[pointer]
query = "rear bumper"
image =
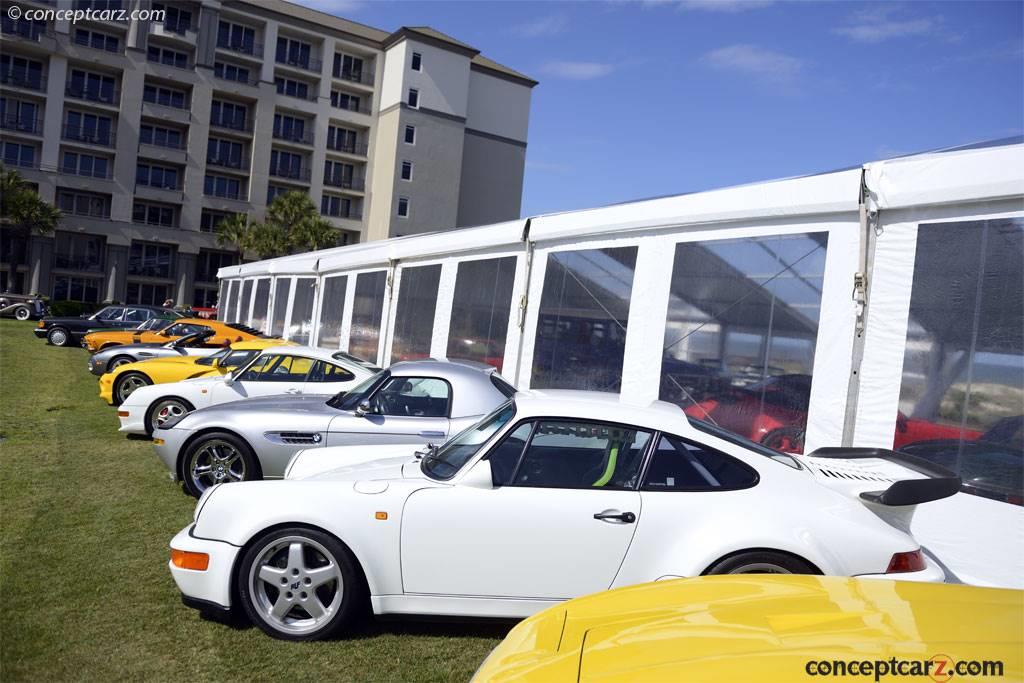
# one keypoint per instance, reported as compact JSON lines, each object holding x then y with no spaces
{"x":209,"y":590}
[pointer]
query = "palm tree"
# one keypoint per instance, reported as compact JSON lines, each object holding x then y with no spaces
{"x":236,"y":230}
{"x":314,"y":233}
{"x":269,"y":240}
{"x":22,"y":213}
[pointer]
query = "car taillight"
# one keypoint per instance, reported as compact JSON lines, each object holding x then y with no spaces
{"x":912,"y":561}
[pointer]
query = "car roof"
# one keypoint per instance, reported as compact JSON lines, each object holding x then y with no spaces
{"x":261,"y":344}
{"x":602,"y":406}
{"x":307,"y":351}
{"x":442,"y":368}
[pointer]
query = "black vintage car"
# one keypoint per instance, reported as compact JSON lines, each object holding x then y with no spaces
{"x":69,"y":331}
{"x":22,"y":306}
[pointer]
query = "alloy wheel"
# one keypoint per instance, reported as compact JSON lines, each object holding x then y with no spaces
{"x":167,"y":409}
{"x":760,"y":568}
{"x":296,"y":585}
{"x":129,"y":384}
{"x":215,"y":462}
{"x":58,"y":337}
{"x":118,"y":362}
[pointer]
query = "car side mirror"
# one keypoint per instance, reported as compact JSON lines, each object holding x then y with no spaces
{"x":363,"y":409}
{"x":479,"y":476}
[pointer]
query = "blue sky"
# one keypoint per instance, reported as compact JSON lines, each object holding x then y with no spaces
{"x":639,"y":99}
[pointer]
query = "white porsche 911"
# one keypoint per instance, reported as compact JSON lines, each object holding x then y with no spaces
{"x":277,"y":370}
{"x":553,"y":495}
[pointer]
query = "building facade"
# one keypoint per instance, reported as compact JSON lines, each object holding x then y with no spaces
{"x":148,"y":131}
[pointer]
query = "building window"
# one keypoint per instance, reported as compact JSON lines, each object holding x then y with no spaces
{"x":231,"y":72}
{"x":292,"y":88}
{"x":204,"y":297}
{"x":176,"y":20}
{"x":209,"y":219}
{"x":21,"y":72}
{"x":417,"y":61}
{"x":403,"y":207}
{"x":167,"y":97}
{"x":236,"y":37}
{"x":92,"y":86}
{"x":151,"y":260}
{"x":414,"y":98}
{"x":84,"y":289}
{"x":75,"y":251}
{"x":91,"y":128}
{"x":339,"y":207}
{"x":97,"y":40}
{"x":161,"y":55}
{"x":410,"y":135}
{"x":406,"y":170}
{"x":341,"y":139}
{"x":85,"y":165}
{"x":343,"y":100}
{"x":290,"y":128}
{"x":295,"y":52}
{"x":226,"y":153}
{"x":286,"y":165}
{"x":348,"y":67}
{"x":338,"y":174}
{"x":147,"y":294}
{"x":275,"y":191}
{"x":222,"y":186}
{"x":154,"y":214}
{"x":80,"y":203}
{"x":15,"y":154}
{"x":161,"y":137}
{"x":18,"y":115}
{"x":228,"y":115}
{"x":209,"y":262}
{"x":163,"y":177}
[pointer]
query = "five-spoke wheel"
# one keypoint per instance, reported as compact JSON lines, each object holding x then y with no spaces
{"x":299,"y":584}
{"x":127,"y":383}
{"x":166,"y":409}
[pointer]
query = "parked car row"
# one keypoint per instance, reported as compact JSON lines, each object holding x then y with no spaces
{"x":434,"y":487}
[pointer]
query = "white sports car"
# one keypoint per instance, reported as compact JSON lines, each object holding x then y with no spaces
{"x":553,"y":495}
{"x":277,"y":370}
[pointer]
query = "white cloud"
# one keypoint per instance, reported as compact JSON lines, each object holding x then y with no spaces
{"x":577,"y":71}
{"x":338,"y":8}
{"x":766,"y":66}
{"x":882,"y":22}
{"x":542,"y":27}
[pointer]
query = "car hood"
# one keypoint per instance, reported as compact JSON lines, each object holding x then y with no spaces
{"x":286,"y":403}
{"x":725,"y":627}
{"x":128,"y":347}
{"x":84,"y":322}
{"x":400,"y":467}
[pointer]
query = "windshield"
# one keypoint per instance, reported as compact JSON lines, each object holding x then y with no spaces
{"x":736,"y":439}
{"x":350,"y":400}
{"x":445,"y":461}
{"x":208,"y":360}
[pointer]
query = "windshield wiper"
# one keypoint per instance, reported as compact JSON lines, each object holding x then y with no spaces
{"x":431,"y":452}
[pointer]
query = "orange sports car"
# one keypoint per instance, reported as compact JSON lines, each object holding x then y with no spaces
{"x":223,"y":333}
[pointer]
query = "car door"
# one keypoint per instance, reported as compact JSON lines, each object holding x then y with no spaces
{"x":402,"y":410}
{"x":268,"y":375}
{"x":328,"y":378}
{"x":557,"y":524}
{"x":110,"y":317}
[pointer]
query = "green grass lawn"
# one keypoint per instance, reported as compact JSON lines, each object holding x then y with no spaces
{"x":85,"y":518}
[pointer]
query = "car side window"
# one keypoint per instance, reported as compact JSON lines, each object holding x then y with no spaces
{"x":413,"y":397}
{"x":134,"y":315}
{"x":680,"y":465}
{"x":505,"y":455}
{"x":286,"y":369}
{"x":110,"y":313}
{"x":237,"y":359}
{"x":581,"y":455}
{"x":329,"y":372}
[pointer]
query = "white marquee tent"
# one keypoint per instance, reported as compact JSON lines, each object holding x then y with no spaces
{"x":877,"y":306}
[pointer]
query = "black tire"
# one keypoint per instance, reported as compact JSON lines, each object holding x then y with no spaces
{"x":762,"y":562}
{"x":161,"y":404}
{"x":59,"y":336}
{"x":118,"y":361}
{"x":123,"y":380}
{"x":256,"y":595}
{"x":22,"y":313}
{"x":249,"y":469}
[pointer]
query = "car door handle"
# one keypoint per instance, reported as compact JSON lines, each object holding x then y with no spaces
{"x":293,"y":391}
{"x":615,"y":516}
{"x":432,"y":435}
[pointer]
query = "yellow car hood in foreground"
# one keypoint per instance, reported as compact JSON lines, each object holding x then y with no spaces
{"x":764,"y":628}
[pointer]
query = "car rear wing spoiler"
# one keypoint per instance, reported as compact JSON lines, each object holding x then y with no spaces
{"x":938,"y":482}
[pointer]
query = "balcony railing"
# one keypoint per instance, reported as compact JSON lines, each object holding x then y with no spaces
{"x":86,"y":41}
{"x":164,"y":144}
{"x":92,"y":173}
{"x":252,"y":80}
{"x":158,"y":59}
{"x":290,"y":173}
{"x":179,"y":26}
{"x":241,"y":196}
{"x":310,"y":96}
{"x":91,"y":135}
{"x":365,"y":76}
{"x":19,"y":78}
{"x":11,"y":121}
{"x":244,"y":125}
{"x":20,"y":163}
{"x":91,"y":211}
{"x":307,"y":63}
{"x":102,"y":95}
{"x":236,"y":164}
{"x":360,"y":107}
{"x":357,"y":148}
{"x":23,"y":28}
{"x":352,"y":214}
{"x":304,"y":136}
{"x":243,"y":48}
{"x":358,"y":184}
{"x":176,"y":186}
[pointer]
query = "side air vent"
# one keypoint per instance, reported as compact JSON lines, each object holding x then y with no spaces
{"x":295,"y":438}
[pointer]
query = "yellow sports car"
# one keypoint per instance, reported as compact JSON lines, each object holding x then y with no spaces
{"x":769,"y":628}
{"x":119,"y":383}
{"x":223,"y":333}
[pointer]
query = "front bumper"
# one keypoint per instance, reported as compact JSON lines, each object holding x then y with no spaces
{"x":209,"y":589}
{"x":98,"y":368}
{"x":133,"y":418}
{"x":932,"y":573}
{"x":107,"y":388}
{"x":40,"y":332}
{"x":168,"y":451}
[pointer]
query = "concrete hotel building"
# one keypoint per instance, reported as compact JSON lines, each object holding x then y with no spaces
{"x":146,"y":134}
